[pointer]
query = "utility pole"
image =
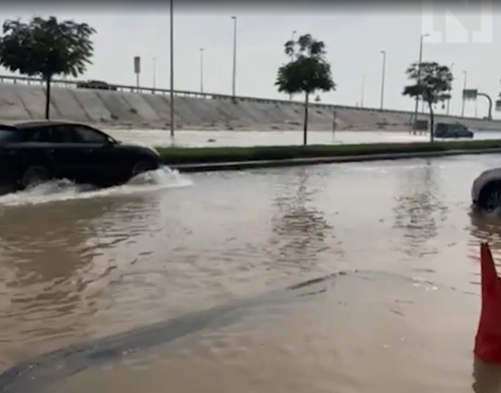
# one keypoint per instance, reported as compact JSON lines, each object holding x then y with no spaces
{"x":154,"y":73}
{"x":234,"y":84}
{"x":293,"y":53}
{"x":449,"y":100}
{"x":201,"y":70}
{"x":172,"y":69}
{"x":420,"y":60}
{"x":465,"y":81}
{"x":362,"y":93}
{"x":383,"y":78}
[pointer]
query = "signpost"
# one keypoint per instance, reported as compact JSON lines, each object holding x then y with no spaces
{"x":498,"y":103}
{"x":470,"y":94}
{"x":137,"y":70}
{"x":473,"y":94}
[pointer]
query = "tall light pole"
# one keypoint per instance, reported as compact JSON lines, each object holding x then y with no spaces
{"x":201,"y":70}
{"x":234,"y":84}
{"x":293,"y":52}
{"x":420,"y":60}
{"x":154,"y":73}
{"x":383,"y":74}
{"x":449,"y":100}
{"x":362,"y":92}
{"x":172,"y":68}
{"x":465,"y":81}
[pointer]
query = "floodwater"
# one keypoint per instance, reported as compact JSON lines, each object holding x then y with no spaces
{"x":76,"y":266}
{"x":189,"y":138}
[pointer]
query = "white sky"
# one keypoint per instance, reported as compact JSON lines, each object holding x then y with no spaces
{"x":354,"y":39}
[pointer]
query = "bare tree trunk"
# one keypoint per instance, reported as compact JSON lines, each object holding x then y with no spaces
{"x":47,"y":98}
{"x":432,"y":123}
{"x":305,"y":129}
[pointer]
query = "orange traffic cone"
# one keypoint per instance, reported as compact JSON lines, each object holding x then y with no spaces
{"x":488,"y":339}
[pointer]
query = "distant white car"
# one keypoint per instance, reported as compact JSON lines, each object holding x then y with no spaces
{"x":486,"y":190}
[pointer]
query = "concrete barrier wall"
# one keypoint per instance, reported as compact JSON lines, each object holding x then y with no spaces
{"x":111,"y":108}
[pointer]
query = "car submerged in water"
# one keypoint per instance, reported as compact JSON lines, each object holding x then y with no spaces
{"x":36,"y":152}
{"x":452,"y":131}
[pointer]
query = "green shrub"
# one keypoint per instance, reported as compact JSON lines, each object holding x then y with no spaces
{"x":194,"y":155}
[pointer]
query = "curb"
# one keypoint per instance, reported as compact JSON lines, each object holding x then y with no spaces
{"x":235,"y":166}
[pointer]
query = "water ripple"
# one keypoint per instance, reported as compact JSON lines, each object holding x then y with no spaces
{"x":75,"y":268}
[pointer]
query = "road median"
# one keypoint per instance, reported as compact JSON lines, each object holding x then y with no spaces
{"x":199,"y":159}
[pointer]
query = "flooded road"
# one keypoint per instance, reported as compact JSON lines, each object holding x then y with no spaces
{"x":76,"y":266}
{"x":272,"y":138}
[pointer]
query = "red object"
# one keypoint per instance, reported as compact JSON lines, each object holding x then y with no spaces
{"x":488,"y":339}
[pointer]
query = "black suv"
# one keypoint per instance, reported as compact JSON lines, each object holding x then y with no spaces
{"x":458,"y":130}
{"x":35,"y":152}
{"x":100,"y":85}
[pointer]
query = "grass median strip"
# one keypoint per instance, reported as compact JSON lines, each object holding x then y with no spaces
{"x":206,"y":155}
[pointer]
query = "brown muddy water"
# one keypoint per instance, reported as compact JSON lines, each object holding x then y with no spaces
{"x":76,"y":266}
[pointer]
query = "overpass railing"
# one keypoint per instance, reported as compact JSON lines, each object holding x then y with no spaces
{"x":25,"y":80}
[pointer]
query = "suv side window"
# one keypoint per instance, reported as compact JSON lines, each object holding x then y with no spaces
{"x":41,"y":135}
{"x":64,"y":134}
{"x":89,"y":135}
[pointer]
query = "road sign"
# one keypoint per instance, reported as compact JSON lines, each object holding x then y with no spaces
{"x":137,"y":65}
{"x":470,"y":94}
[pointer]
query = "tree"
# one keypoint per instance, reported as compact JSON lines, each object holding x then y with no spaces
{"x":307,"y":72}
{"x":45,"y":48}
{"x":433,"y":84}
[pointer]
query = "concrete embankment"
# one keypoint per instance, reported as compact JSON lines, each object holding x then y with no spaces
{"x":133,"y":110}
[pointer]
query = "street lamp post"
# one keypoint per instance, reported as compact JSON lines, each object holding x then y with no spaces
{"x":383,"y":74}
{"x":234,"y":84}
{"x":465,"y":81}
{"x":292,"y":54}
{"x":201,"y":70}
{"x":172,"y":68}
{"x":449,"y":100}
{"x":362,"y":92}
{"x":154,"y":73}
{"x":420,"y":60}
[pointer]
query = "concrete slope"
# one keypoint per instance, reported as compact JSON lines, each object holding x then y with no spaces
{"x":113,"y":108}
{"x":33,"y":100}
{"x":92,"y":106}
{"x":11,"y":105}
{"x":141,"y":107}
{"x":65,"y":103}
{"x":160,"y":105}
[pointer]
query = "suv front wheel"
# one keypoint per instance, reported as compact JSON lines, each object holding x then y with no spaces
{"x":142,"y":167}
{"x":490,"y":197}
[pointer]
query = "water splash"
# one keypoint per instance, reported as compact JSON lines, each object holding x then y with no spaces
{"x":61,"y":190}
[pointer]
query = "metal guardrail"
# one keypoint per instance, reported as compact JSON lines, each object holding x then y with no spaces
{"x":213,"y":96}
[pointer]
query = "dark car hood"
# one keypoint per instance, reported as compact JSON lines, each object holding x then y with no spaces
{"x":137,"y":146}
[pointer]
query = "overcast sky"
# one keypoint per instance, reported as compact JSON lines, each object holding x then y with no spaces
{"x":354,"y":40}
